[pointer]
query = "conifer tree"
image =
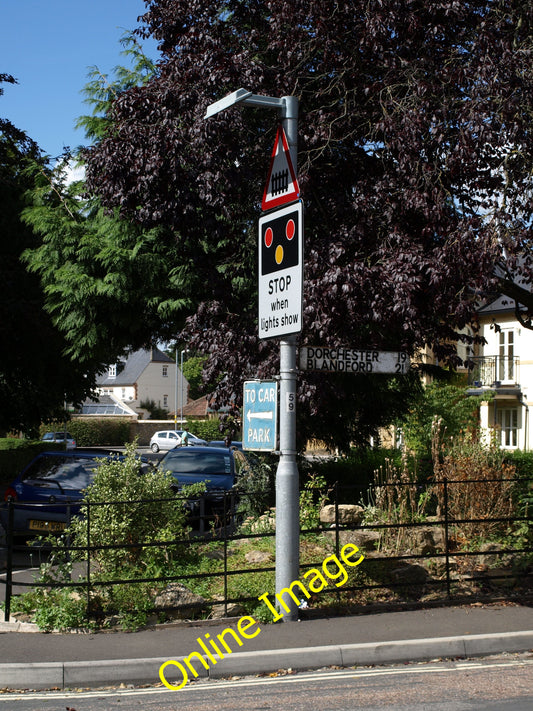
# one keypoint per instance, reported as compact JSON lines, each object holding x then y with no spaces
{"x":36,"y":376}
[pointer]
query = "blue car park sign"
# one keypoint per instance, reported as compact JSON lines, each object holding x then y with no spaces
{"x":260,"y":415}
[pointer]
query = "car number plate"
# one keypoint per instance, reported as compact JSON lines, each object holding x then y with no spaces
{"x":36,"y":525}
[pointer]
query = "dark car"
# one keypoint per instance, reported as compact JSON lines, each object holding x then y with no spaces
{"x":49,"y":490}
{"x":221,"y":443}
{"x":60,"y":438}
{"x":217,"y":467}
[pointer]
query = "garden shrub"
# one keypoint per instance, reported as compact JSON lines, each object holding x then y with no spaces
{"x":124,"y":506}
{"x":97,"y":432}
{"x":130,"y":507}
{"x":485,"y":484}
{"x":255,"y":485}
{"x":205,"y":429}
{"x":353,"y":472}
{"x":395,"y":497}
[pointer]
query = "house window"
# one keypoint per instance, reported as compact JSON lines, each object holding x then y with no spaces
{"x":112,"y":372}
{"x":508,"y":422}
{"x":165,"y":401}
{"x":506,"y":356}
{"x":165,"y":371}
{"x":123,"y":396}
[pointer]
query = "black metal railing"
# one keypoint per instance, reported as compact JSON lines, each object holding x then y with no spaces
{"x":493,"y":371}
{"x":390,"y":557}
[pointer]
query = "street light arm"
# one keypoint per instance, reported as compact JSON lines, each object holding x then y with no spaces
{"x":264,"y":101}
{"x":246,"y":97}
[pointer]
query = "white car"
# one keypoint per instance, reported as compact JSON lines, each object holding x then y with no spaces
{"x":60,"y":437}
{"x":168,"y":439}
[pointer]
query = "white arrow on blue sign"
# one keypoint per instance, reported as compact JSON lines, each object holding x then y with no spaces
{"x":260,"y":415}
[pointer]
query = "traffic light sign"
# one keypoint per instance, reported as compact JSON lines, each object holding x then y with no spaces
{"x":280,"y":242}
{"x":280,"y":271}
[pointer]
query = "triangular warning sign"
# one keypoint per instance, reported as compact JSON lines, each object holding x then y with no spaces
{"x":282,"y":186}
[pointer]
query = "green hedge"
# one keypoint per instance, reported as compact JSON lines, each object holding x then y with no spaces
{"x":205,"y":429}
{"x":523,"y":462}
{"x":354,"y":470}
{"x":97,"y":432}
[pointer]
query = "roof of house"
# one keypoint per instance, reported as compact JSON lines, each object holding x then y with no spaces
{"x":500,"y":304}
{"x":133,"y":366}
{"x":196,"y":408}
{"x":200,"y":407}
{"x":106,"y":405}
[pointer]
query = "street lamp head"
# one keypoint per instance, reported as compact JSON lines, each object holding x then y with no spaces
{"x":234,"y":98}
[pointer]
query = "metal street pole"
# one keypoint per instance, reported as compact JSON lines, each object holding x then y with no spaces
{"x":181,"y":387}
{"x":176,"y":394}
{"x":287,"y":488}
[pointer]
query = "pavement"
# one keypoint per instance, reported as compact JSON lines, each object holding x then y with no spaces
{"x":35,"y":660}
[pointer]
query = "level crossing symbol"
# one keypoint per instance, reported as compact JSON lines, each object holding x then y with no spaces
{"x":282,"y":185}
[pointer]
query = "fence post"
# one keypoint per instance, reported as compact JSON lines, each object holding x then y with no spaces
{"x":225,"y":528}
{"x":88,"y":560}
{"x":9,"y":560}
{"x":446,"y":540}
{"x":202,"y":513}
{"x":337,"y":518}
{"x":337,"y":533}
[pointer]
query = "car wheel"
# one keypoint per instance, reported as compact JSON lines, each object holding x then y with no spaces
{"x":154,"y":447}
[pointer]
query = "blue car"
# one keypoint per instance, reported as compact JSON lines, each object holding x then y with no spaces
{"x":48,"y":492}
{"x":218,"y":467}
{"x":220,"y":443}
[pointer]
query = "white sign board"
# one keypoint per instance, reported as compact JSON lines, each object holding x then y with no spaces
{"x":353,"y":360}
{"x":280,"y":271}
{"x":260,"y":420}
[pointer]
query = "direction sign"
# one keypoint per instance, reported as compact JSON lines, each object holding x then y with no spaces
{"x":280,"y":271}
{"x":282,"y":185}
{"x":353,"y":360}
{"x":260,"y":415}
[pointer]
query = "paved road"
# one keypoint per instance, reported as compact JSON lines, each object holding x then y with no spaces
{"x":491,"y":684}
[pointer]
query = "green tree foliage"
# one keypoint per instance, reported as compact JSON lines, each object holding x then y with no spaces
{"x":110,"y":285}
{"x":448,"y":405}
{"x":414,"y":155}
{"x":156,"y":412}
{"x":36,"y":376}
{"x":192,"y":370}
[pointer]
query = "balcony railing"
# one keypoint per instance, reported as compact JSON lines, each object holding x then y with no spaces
{"x":493,"y":371}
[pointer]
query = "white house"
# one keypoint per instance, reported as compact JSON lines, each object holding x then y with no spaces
{"x":504,"y":368}
{"x":147,"y":374}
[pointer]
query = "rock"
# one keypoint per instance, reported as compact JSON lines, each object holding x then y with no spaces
{"x":176,"y":595}
{"x":265,"y":523}
{"x":349,"y":514}
{"x":489,"y":558}
{"x":364,"y":540}
{"x":218,"y":554}
{"x":257,"y":557}
{"x":428,"y":540}
{"x":409,"y":575}
{"x":232,"y":609}
{"x":501,"y":577}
